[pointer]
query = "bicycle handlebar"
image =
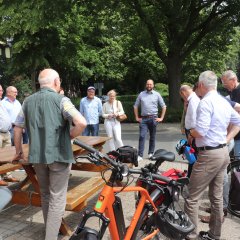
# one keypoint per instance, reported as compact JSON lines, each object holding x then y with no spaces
{"x":123,"y":168}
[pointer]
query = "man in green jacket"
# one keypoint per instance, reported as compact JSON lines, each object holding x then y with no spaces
{"x":47,"y":115}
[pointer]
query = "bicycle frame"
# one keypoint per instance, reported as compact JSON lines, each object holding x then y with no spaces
{"x":105,"y":204}
{"x":108,"y":209}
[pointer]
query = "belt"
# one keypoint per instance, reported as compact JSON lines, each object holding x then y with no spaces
{"x":211,"y":148}
{"x":149,"y":116}
{"x":3,"y":132}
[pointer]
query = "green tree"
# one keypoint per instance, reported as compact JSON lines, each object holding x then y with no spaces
{"x":177,"y":27}
{"x":65,"y":35}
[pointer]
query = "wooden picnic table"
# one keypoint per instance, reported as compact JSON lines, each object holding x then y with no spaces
{"x":76,"y":197}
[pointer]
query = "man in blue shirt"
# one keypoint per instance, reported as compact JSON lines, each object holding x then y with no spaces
{"x":91,"y":109}
{"x":148,"y":100}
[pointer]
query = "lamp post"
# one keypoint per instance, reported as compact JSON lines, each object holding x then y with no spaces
{"x":5,"y":50}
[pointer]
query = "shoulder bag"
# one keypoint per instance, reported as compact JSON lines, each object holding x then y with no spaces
{"x":121,"y":117}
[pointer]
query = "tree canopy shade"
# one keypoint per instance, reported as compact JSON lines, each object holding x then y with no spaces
{"x":176,"y":27}
{"x":125,"y":41}
{"x":64,"y":35}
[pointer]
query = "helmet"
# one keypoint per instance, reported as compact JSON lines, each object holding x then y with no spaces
{"x":180,"y":146}
{"x":173,"y":224}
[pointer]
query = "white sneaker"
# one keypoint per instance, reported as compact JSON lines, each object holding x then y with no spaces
{"x":140,"y":158}
{"x":150,"y":155}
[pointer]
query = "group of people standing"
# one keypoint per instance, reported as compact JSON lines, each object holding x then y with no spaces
{"x":211,"y":122}
{"x":148,"y":101}
{"x":51,"y":121}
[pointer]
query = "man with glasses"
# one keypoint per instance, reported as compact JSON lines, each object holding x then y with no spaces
{"x":5,"y":126}
{"x":230,"y":82}
{"x":13,"y":107}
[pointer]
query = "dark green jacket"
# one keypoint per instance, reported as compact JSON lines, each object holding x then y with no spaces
{"x":49,"y":132}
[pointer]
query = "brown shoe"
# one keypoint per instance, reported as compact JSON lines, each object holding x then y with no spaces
{"x":11,"y":179}
{"x":208,"y":210}
{"x":225,"y":212}
{"x":3,"y":183}
{"x":206,"y":219}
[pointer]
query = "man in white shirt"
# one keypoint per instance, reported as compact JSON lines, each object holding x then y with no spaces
{"x":5,"y":126}
{"x":214,"y":114}
{"x":192,"y":101}
{"x":12,"y":105}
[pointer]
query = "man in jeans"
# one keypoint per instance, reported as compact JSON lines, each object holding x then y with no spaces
{"x":148,"y":100}
{"x":47,"y":115}
{"x":91,"y":109}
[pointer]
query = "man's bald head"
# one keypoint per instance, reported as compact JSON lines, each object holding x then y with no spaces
{"x":49,"y":78}
{"x":185,"y":91}
{"x":11,"y":93}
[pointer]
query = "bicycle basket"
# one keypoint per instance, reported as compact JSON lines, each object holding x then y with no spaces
{"x":173,"y":224}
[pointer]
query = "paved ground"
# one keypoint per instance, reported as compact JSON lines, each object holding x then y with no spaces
{"x":26,"y":223}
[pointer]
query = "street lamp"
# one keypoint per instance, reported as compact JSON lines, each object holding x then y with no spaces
{"x":5,"y":50}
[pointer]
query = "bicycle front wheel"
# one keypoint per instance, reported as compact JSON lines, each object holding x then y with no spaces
{"x":145,"y":227}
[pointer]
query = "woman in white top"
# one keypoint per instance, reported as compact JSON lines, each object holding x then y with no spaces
{"x":111,"y":109}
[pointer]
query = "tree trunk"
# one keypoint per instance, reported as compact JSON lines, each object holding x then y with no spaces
{"x":174,"y":67}
{"x":33,"y":80}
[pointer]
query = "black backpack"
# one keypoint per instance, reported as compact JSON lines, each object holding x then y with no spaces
{"x":125,"y":154}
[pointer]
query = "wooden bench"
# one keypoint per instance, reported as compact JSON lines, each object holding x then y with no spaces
{"x":77,"y":196}
{"x":8,"y":167}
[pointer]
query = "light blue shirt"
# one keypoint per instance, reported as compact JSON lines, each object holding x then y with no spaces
{"x":149,"y":102}
{"x":214,"y":114}
{"x":5,"y":121}
{"x":13,"y":108}
{"x":91,"y":109}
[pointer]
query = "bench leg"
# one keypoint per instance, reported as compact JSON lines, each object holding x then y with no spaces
{"x":65,"y":229}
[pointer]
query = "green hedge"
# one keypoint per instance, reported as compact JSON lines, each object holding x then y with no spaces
{"x":172,"y":114}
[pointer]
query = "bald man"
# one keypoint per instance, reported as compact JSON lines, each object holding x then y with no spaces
{"x":192,"y":100}
{"x":12,"y":105}
{"x":47,"y":116}
{"x":149,"y":101}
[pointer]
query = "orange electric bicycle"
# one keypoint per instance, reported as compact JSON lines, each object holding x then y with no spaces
{"x":109,"y":211}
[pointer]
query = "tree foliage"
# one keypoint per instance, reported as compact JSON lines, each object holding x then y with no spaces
{"x":121,"y":43}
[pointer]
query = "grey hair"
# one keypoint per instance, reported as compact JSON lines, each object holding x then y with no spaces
{"x":229,"y":74}
{"x":185,"y":87}
{"x":49,"y":78}
{"x":209,"y":79}
{"x":112,"y":92}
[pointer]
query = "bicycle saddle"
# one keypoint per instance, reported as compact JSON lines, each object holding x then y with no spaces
{"x":163,"y":155}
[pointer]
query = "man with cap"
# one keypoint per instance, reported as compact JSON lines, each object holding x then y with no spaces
{"x":91,"y":109}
